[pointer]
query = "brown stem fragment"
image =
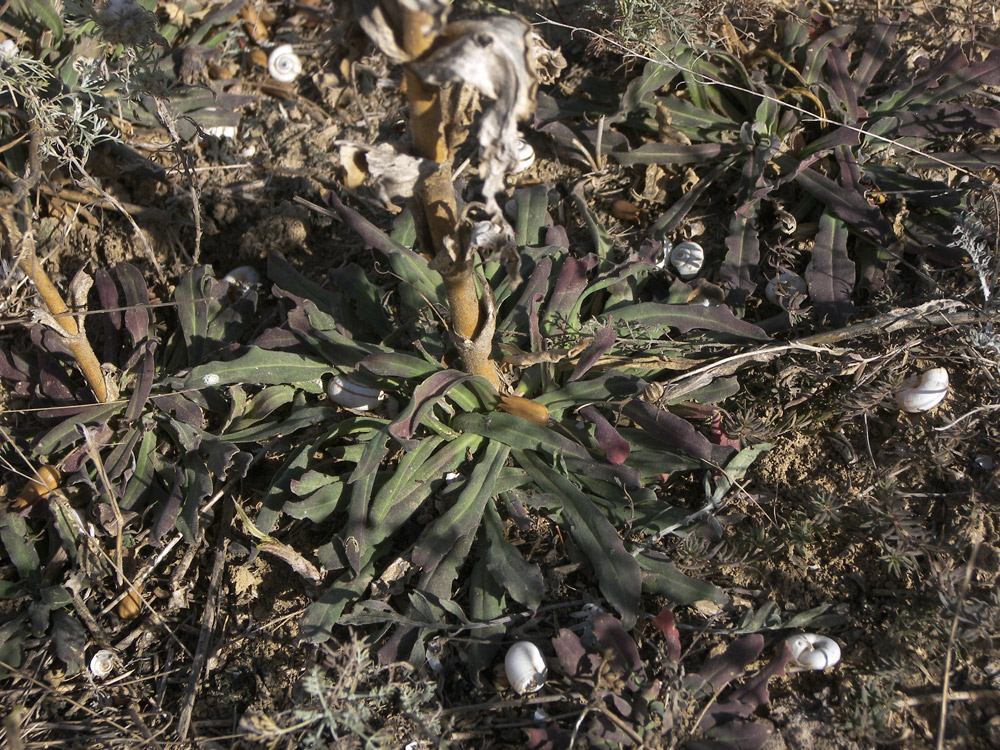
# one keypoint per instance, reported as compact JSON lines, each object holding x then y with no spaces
{"x":471,"y":323}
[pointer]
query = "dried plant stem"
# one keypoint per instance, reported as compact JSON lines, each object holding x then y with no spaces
{"x":22,"y":246}
{"x":470,"y":320}
{"x":76,"y":338}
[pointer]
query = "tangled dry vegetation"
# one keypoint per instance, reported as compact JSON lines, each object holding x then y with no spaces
{"x":344,"y":347}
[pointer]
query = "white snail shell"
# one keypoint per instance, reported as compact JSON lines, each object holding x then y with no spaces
{"x":525,"y":667}
{"x":525,"y":156}
{"x":784,"y":286}
{"x":283,"y":64}
{"x":345,"y":392}
{"x":923,"y":392}
{"x":687,"y":258}
{"x":102,"y":663}
{"x":243,"y":276}
{"x":811,"y":651}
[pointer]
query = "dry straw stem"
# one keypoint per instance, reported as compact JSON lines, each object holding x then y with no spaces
{"x":23,"y":247}
{"x":437,"y":194}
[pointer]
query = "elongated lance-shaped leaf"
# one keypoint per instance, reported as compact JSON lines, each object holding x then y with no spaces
{"x":617,"y":571}
{"x":843,"y":90}
{"x":398,"y":500}
{"x":739,"y":269}
{"x":848,"y":205}
{"x":516,"y":432}
{"x":639,"y":94}
{"x":486,"y":602}
{"x":571,"y":283}
{"x":674,"y":431}
{"x":673,"y":153}
{"x":257,"y":367}
{"x":658,"y":318}
{"x":816,"y":53}
{"x":615,"y":447}
{"x":876,"y":52}
{"x":719,"y":671}
{"x":662,"y":577}
{"x":613,"y":385}
{"x":670,"y":220}
{"x":363,"y":479}
{"x":425,"y":396}
{"x":603,"y":341}
{"x":522,"y":580}
{"x":603,"y":244}
{"x":532,"y":214}
{"x":830,"y":274}
{"x":324,"y":613}
{"x":466,"y":514}
{"x":397,"y":365}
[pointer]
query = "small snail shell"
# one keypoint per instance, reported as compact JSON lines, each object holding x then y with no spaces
{"x":525,"y":667}
{"x":811,"y":651}
{"x":687,"y":258}
{"x":923,"y":392}
{"x":243,"y":276}
{"x":102,"y":663}
{"x":283,"y":64}
{"x":345,"y":392}
{"x":525,"y":156}
{"x":784,"y":286}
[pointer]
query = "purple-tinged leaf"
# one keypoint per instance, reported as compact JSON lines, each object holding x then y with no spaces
{"x":198,"y":486}
{"x":425,"y":396}
{"x":665,"y":623}
{"x":734,"y":735}
{"x":848,"y":205}
{"x":614,"y":640}
{"x":964,"y":81}
{"x":876,"y":52}
{"x":569,"y":286}
{"x":13,"y":366}
{"x":522,"y":580}
{"x":973,"y":161}
{"x":396,"y":365}
{"x":107,"y":293}
{"x":719,"y":671}
{"x":181,"y":408}
{"x":535,"y":286}
{"x":739,"y":269}
{"x":602,"y":343}
{"x":830,"y":274}
{"x":166,"y":518}
{"x":947,"y":119}
{"x":143,"y":382}
{"x":550,"y":737}
{"x":615,"y":447}
{"x":571,"y":654}
{"x":136,"y":300}
{"x":672,"y":153}
{"x":818,"y":50}
{"x":845,"y":93}
{"x":676,"y":432}
{"x":753,"y":694}
{"x":656,"y":316}
{"x":557,"y":237}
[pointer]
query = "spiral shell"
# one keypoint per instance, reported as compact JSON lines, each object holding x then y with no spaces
{"x":525,"y":156}
{"x":351,"y":395}
{"x":783,"y":287}
{"x":243,"y":276}
{"x":924,"y":391}
{"x":811,"y":651}
{"x":283,"y":64}
{"x":525,"y":667}
{"x":687,"y":258}
{"x":102,"y":663}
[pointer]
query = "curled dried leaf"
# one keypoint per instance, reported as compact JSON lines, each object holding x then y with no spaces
{"x":495,"y":56}
{"x":387,"y":23}
{"x":394,"y":174}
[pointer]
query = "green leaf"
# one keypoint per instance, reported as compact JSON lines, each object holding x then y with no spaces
{"x":465,"y":515}
{"x":617,"y":571}
{"x":663,"y":578}
{"x":141,"y":479}
{"x":323,"y":614}
{"x":258,"y":367}
{"x":486,"y":602}
{"x":70,"y":640}
{"x":363,"y":481}
{"x":319,"y":505}
{"x":522,"y":580}
{"x":17,"y":542}
{"x":518,"y":433}
{"x":46,"y":13}
{"x":659,"y":318}
{"x":736,"y":468}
